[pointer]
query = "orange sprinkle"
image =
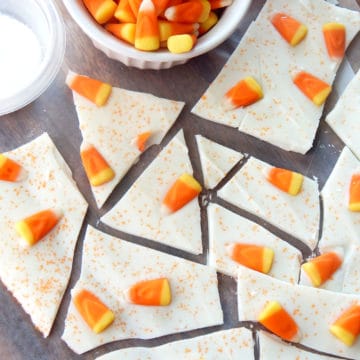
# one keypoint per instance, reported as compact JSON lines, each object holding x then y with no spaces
{"x":95,"y":313}
{"x":154,"y":292}
{"x":335,"y":38}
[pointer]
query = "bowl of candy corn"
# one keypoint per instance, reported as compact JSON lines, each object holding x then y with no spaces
{"x":157,"y":34}
{"x":31,"y":52}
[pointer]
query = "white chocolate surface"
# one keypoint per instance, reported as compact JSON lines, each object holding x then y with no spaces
{"x":114,"y":127}
{"x":284,"y":117}
{"x":37,"y":276}
{"x":216,"y":160}
{"x":139,"y":211}
{"x":227,"y":228}
{"x":314,"y":310}
{"x":272,"y":348}
{"x":344,"y":118}
{"x":297,"y":215}
{"x":221,"y":345}
{"x":110,"y":266}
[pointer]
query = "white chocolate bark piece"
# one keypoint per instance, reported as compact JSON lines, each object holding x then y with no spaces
{"x":297,"y":215}
{"x":227,"y":228}
{"x":344,"y":118}
{"x":216,"y":160}
{"x":314,"y":310}
{"x":272,"y":348}
{"x":139,"y":211}
{"x":114,"y":127}
{"x":341,"y":227}
{"x":221,"y":345}
{"x":110,"y":266}
{"x":284,"y":117}
{"x":37,"y":276}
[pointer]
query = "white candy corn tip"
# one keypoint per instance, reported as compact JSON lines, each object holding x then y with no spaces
{"x":85,"y":146}
{"x":170,"y":13}
{"x":70,"y":77}
{"x":147,"y":5}
{"x":58,"y":213}
{"x":22,"y":175}
{"x":227,"y":104}
{"x":164,"y":210}
{"x":125,"y":296}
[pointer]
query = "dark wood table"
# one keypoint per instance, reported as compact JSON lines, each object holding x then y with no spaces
{"x":54,"y":112}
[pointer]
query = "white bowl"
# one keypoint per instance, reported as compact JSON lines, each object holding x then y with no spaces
{"x":161,"y":59}
{"x":42,"y":17}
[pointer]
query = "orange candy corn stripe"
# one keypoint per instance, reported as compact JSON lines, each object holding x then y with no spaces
{"x":96,"y":167}
{"x":135,"y":6}
{"x":354,"y":193}
{"x":10,"y":170}
{"x":101,"y":10}
{"x":219,"y":4}
{"x":244,"y":93}
{"x":95,"y":313}
{"x":185,"y":189}
{"x":194,"y":11}
{"x":94,"y":90}
{"x":124,"y":32}
{"x":33,"y":228}
{"x":142,"y":139}
{"x":155,"y":292}
{"x":276,"y":319}
{"x":312,"y":87}
{"x":289,"y":28}
{"x":124,"y":12}
{"x":285,"y":180}
{"x":335,"y":38}
{"x":321,"y":268}
{"x":347,"y":326}
{"x":259,"y":258}
{"x":168,"y":28}
{"x":147,"y":36}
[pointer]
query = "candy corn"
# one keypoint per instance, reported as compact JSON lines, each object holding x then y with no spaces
{"x":10,"y":170}
{"x":246,"y":92}
{"x":285,"y":180}
{"x":160,"y":5}
{"x":178,"y":44}
{"x":276,"y":319}
{"x":208,"y":23}
{"x":354,"y":193}
{"x":312,"y":87}
{"x":185,"y":189}
{"x":147,"y":36}
{"x":142,"y":140}
{"x":96,"y":167}
{"x":193,"y":11}
{"x":154,"y":292}
{"x":321,"y":268}
{"x":289,"y":28}
{"x":135,"y":6}
{"x":259,"y":258}
{"x":335,"y":37}
{"x":33,"y":228}
{"x":95,"y":313}
{"x":94,"y":90}
{"x":101,"y":10}
{"x":168,"y":28}
{"x":124,"y":32}
{"x":219,"y":4}
{"x":347,"y":326}
{"x":124,"y":13}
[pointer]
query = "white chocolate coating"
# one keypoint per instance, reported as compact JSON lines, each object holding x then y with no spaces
{"x":139,"y":211}
{"x":110,"y":266}
{"x":37,"y":276}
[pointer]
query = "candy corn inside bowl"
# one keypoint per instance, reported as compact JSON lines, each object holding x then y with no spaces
{"x":120,"y":50}
{"x":32,"y":47}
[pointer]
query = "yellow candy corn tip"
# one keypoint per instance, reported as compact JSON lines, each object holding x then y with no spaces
{"x":105,"y":321}
{"x":254,"y":85}
{"x":354,"y":207}
{"x":268,"y":258}
{"x":333,"y":26}
{"x":150,"y":43}
{"x":299,"y":35}
{"x":103,"y":94}
{"x":105,"y":12}
{"x":296,"y":183}
{"x":178,"y":44}
{"x":343,"y":335}
{"x":271,"y":308}
{"x":320,"y":98}
{"x":165,"y":297}
{"x":102,"y":177}
{"x":312,"y":273}
{"x":190,"y":181}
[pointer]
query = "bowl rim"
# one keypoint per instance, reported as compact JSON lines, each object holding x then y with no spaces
{"x":207,"y":42}
{"x":50,"y":64}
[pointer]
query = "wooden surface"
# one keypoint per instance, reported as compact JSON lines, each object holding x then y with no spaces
{"x":54,"y":112}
